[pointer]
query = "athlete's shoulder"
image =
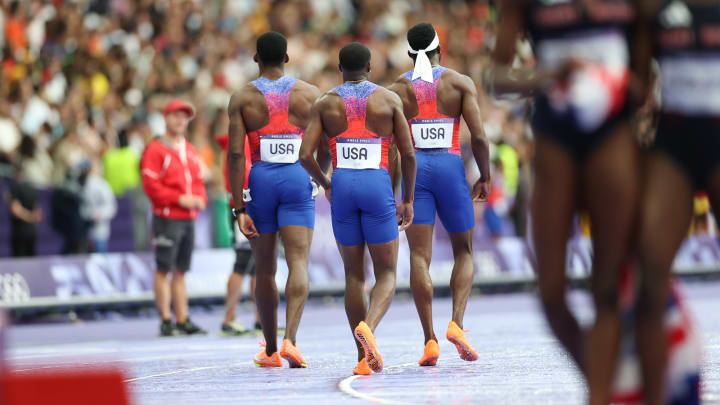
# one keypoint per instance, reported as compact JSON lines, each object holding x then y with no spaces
{"x":328,"y":99}
{"x":460,"y":81}
{"x":388,"y":96}
{"x":243,"y":96}
{"x":307,"y":89}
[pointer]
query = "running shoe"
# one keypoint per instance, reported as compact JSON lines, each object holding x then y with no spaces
{"x":291,"y":353}
{"x":233,"y":329}
{"x":189,"y":328}
{"x":432,"y":352}
{"x":365,"y":336}
{"x":263,"y":360}
{"x":456,"y":336}
{"x":168,"y":329}
{"x":362,"y":368}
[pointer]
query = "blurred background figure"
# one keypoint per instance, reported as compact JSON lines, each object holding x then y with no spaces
{"x":25,"y":215}
{"x":66,"y":206}
{"x":99,"y":208}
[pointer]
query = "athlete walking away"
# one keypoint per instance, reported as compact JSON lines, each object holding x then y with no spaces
{"x":434,"y":98}
{"x":172,"y":179}
{"x":586,"y":158}
{"x":355,"y":123}
{"x":273,"y":111}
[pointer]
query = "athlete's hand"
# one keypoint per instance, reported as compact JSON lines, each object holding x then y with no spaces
{"x":480,"y":191}
{"x":405,"y":215}
{"x":328,"y":194}
{"x":247,"y":226}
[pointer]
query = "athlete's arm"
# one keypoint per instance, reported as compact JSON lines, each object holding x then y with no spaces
{"x":236,"y":161}
{"x":641,"y":80}
{"x":408,"y":166}
{"x":400,"y":87}
{"x":478,"y":141}
{"x":501,"y":78}
{"x":311,"y":142}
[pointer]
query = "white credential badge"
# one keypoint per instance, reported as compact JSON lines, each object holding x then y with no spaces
{"x":283,"y":148}
{"x":358,"y":153}
{"x":432,"y":132}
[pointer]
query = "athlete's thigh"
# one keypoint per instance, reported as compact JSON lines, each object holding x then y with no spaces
{"x":296,"y":239}
{"x":353,"y":260}
{"x":384,"y":256}
{"x":419,"y":238}
{"x":265,"y":198}
{"x":610,"y":193}
{"x":264,"y":249}
{"x":553,"y":205}
{"x":665,"y":211}
{"x":452,"y":194}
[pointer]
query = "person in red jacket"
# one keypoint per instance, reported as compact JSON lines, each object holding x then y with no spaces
{"x":172,"y":180}
{"x":244,"y":263}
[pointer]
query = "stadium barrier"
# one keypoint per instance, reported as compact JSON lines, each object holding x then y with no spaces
{"x":122,"y":278}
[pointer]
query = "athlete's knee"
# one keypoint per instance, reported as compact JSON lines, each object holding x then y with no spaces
{"x":297,"y":288}
{"x":420,"y":258}
{"x":605,"y":295}
{"x":462,"y":245}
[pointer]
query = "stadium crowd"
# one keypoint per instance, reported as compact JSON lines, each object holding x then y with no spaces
{"x":82,"y":85}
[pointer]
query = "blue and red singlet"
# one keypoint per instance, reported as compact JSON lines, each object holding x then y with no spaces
{"x":280,"y":189}
{"x":363,"y":205}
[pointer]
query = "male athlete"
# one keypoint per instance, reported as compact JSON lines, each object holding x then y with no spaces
{"x":434,"y":98}
{"x":359,"y":119}
{"x":273,"y":111}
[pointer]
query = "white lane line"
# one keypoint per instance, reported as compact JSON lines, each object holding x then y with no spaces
{"x":180,"y":371}
{"x":94,"y":363}
{"x":346,"y":387}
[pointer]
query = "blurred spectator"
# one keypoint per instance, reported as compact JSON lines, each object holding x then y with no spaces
{"x":122,"y":166}
{"x":25,"y":215}
{"x":66,"y":204}
{"x":99,"y":208}
{"x":34,"y":163}
{"x":498,"y":205}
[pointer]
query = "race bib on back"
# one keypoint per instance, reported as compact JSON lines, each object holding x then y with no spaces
{"x":280,"y":148}
{"x":432,"y":132}
{"x":358,"y":153}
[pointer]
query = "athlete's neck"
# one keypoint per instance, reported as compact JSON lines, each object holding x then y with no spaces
{"x":272,"y":72}
{"x":355,"y":77}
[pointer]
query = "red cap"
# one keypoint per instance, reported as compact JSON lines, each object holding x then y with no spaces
{"x":179,"y":104}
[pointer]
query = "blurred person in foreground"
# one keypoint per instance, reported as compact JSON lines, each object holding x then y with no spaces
{"x":244,"y":262}
{"x":434,"y":100}
{"x":586,"y":157}
{"x":25,"y":214}
{"x":354,"y":124}
{"x":271,"y":114}
{"x":171,"y":177}
{"x":682,"y":36}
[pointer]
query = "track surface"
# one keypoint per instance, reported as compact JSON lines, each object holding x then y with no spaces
{"x":519,"y":361}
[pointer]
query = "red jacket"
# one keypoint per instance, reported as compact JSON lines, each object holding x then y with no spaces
{"x":223,"y":141}
{"x":167,"y":174}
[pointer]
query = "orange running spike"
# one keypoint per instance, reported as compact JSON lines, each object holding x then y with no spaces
{"x":291,"y":353}
{"x":366,"y":338}
{"x":263,"y":360}
{"x":362,"y":368}
{"x":457,"y":337}
{"x":431,"y":354}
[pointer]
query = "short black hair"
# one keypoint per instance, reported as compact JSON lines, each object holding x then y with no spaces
{"x":354,"y":56}
{"x":272,"y":48}
{"x":420,"y":36}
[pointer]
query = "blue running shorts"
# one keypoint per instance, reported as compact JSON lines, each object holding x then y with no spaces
{"x":363,"y":207}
